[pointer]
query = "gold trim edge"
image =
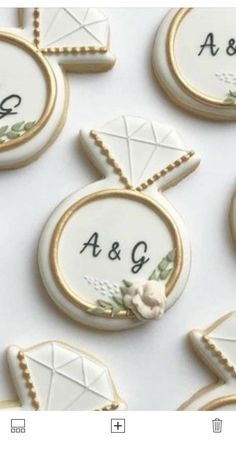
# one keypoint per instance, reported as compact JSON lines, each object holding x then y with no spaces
{"x":58,"y":230}
{"x":105,"y":151}
{"x":83,"y":50}
{"x":50,"y":86}
{"x":186,"y":87}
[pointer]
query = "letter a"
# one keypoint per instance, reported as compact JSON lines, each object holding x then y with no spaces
{"x":93,"y":242}
{"x":209,"y":43}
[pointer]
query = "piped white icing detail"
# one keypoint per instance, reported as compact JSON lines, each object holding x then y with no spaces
{"x":106,"y":288}
{"x":48,"y":40}
{"x":117,"y":233}
{"x":67,"y":26}
{"x":228,"y":78}
{"x":188,"y":54}
{"x":217,"y":348}
{"x":141,"y":147}
{"x":61,"y":377}
{"x":146,"y":300}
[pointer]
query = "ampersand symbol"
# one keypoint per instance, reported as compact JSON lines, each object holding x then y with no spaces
{"x":114,"y":253}
{"x":231,"y":49}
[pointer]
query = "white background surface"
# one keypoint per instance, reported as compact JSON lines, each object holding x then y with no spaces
{"x":153,"y":365}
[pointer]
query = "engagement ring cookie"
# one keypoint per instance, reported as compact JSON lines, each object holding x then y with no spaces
{"x":194,"y":59}
{"x":57,"y":376}
{"x":216,"y":346}
{"x":33,"y":89}
{"x":115,"y":254}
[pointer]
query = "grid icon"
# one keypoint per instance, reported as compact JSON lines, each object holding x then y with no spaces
{"x":17,"y":425}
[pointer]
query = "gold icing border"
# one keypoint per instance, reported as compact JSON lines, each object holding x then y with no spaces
{"x":28,"y":381}
{"x":223,"y":400}
{"x":219,"y":355}
{"x":110,"y":160}
{"x":83,"y":50}
{"x":117,"y":193}
{"x":219,"y":402}
{"x":188,"y":89}
{"x":123,"y":178}
{"x":36,"y":27}
{"x":30,"y":386}
{"x":9,"y":404}
{"x":109,"y":407}
{"x":50,"y":94}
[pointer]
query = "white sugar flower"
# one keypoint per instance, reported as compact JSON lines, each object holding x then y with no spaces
{"x":146,"y":300}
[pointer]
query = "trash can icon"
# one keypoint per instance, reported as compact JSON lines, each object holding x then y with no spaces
{"x":217,"y":425}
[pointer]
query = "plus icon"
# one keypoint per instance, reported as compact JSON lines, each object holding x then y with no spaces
{"x":118,"y":426}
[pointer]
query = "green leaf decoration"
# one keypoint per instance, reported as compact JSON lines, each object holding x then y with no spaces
{"x":104,"y":304}
{"x":29,"y":125}
{"x":17,"y":127}
{"x":154,"y":275}
{"x":164,"y":274}
{"x":107,"y":306}
{"x":3,"y":130}
{"x":116,"y":304}
{"x":123,"y":290}
{"x":118,"y":301}
{"x":171,"y":256}
{"x":12,"y":135}
{"x":96,"y":311}
{"x":127,"y":283}
{"x":116,"y":308}
{"x":164,"y":268}
{"x":230,"y":97}
{"x":16,"y":130}
{"x":163,"y":264}
{"x":229,"y":100}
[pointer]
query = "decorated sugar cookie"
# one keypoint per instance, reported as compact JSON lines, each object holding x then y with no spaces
{"x":33,"y":91}
{"x":194,"y":59}
{"x":216,"y":346}
{"x":116,"y":254}
{"x":56,"y":376}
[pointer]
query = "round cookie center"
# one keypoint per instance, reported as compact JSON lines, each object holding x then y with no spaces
{"x":109,"y":241}
{"x":204,"y":52}
{"x":27,"y":91}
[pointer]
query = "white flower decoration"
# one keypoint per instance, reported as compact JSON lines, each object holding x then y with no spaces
{"x":146,"y":300}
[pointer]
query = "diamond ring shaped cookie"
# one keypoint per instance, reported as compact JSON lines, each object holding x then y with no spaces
{"x":33,"y":89}
{"x":194,"y":59}
{"x":57,"y":376}
{"x":216,"y":346}
{"x":116,"y":254}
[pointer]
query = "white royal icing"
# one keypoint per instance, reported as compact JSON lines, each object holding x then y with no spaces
{"x":142,"y":147}
{"x":116,"y":241}
{"x":32,"y":77}
{"x":62,"y":377}
{"x":65,"y":26}
{"x":216,"y":346}
{"x":204,"y":51}
{"x":146,"y":300}
{"x":232,"y":217}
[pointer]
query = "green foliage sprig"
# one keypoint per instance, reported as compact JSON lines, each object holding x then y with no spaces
{"x":164,"y":268}
{"x":230,"y":98}
{"x":12,"y":132}
{"x":116,"y":305}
